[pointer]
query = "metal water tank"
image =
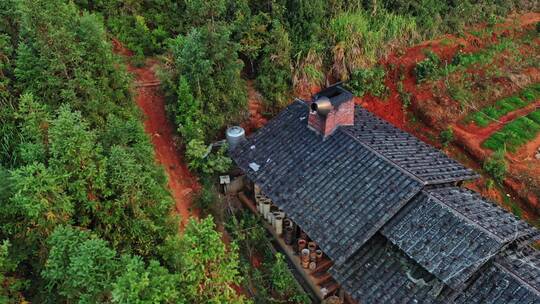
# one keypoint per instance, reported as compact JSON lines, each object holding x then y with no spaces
{"x":235,"y":135}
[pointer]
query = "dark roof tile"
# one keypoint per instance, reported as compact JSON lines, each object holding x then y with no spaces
{"x":407,"y":151}
{"x":338,"y":190}
{"x":436,"y":231}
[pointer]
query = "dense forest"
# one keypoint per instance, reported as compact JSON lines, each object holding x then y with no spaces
{"x":85,"y":213}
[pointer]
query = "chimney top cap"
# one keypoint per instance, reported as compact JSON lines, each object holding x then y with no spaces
{"x":322,"y":106}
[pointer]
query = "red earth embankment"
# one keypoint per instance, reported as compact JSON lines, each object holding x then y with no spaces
{"x":152,"y":103}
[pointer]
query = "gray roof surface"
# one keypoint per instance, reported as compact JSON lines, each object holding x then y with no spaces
{"x":338,"y":190}
{"x":381,"y":273}
{"x":452,"y":232}
{"x":410,"y":153}
{"x":513,"y":277}
{"x":379,"y":203}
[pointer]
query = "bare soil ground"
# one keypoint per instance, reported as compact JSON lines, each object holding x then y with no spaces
{"x":151,"y":102}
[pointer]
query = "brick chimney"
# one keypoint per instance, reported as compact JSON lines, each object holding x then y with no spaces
{"x":331,"y":108}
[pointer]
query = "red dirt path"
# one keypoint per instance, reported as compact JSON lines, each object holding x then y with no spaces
{"x":151,"y":102}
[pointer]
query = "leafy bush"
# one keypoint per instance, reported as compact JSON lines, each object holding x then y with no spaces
{"x":208,"y":60}
{"x":201,"y":158}
{"x":496,"y":166}
{"x":427,"y":68}
{"x":446,"y":136}
{"x":364,"y":81}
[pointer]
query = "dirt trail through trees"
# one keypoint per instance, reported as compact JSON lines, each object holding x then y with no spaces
{"x":151,"y":102}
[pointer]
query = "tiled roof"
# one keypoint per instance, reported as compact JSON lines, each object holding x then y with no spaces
{"x":452,"y":232}
{"x":378,"y":203}
{"x":410,"y":153}
{"x":512,"y":278}
{"x":338,"y":190}
{"x":485,"y":213}
{"x":381,"y":273}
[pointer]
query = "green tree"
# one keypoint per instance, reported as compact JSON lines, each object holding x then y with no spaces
{"x":79,"y":267}
{"x":274,"y":79}
{"x":74,"y":152}
{"x":141,"y":284}
{"x":66,"y":58}
{"x":37,"y":206}
{"x":189,"y":116}
{"x":208,"y":60}
{"x":207,"y":268}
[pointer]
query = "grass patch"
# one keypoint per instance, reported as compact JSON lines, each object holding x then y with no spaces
{"x":506,"y":105}
{"x":432,"y":68}
{"x":516,"y":133}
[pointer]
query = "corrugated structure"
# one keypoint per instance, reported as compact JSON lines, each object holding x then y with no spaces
{"x":387,"y":209}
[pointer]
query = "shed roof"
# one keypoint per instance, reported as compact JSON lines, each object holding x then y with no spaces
{"x":514,"y":277}
{"x":452,"y":232}
{"x":381,"y":273}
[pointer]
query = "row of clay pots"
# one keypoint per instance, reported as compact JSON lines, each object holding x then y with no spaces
{"x":270,"y":213}
{"x":310,"y":256}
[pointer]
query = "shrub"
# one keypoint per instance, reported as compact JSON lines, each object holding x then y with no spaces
{"x":207,"y":196}
{"x":201,"y":158}
{"x":496,"y":166}
{"x":446,"y":136}
{"x":371,"y":81}
{"x":427,"y":68}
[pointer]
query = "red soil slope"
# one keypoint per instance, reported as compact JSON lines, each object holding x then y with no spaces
{"x":151,"y":102}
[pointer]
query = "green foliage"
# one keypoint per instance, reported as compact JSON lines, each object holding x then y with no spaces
{"x":460,"y":90}
{"x":141,"y":284}
{"x":496,"y":165}
{"x":10,"y":286}
{"x":506,"y":105}
{"x":281,"y":277}
{"x":305,"y":19}
{"x":273,"y":280}
{"x":189,"y":116}
{"x":274,"y":79}
{"x":427,"y":68}
{"x":516,"y":133}
{"x":368,"y":81}
{"x":208,"y":61}
{"x":79,"y":267}
{"x":436,"y":17}
{"x":71,"y":62}
{"x":207,"y":196}
{"x":207,"y":267}
{"x":446,"y":136}
{"x":361,"y":38}
{"x":201,"y":158}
